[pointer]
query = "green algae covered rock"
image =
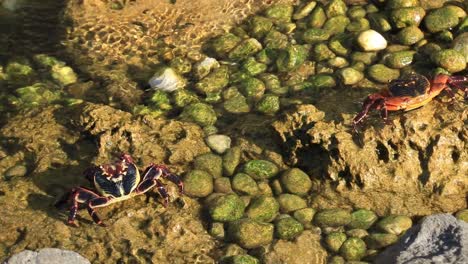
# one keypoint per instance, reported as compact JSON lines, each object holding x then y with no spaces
{"x":217,"y":230}
{"x":304,"y":10}
{"x":263,"y":208}
{"x":260,"y":169}
{"x":291,"y":57}
{"x":315,"y":35}
{"x":223,"y":44}
{"x":362,"y":219}
{"x":296,"y":181}
{"x":272,"y":83}
{"x":253,"y":67}
{"x":290,"y":202}
{"x":334,"y":240}
{"x":317,"y":17}
{"x":350,"y":76}
{"x":395,"y":224}
{"x":245,"y":49}
{"x":353,"y":249}
{"x":200,"y":113}
{"x":360,"y":233}
{"x":394,"y":4}
{"x":225,"y":208}
{"x":332,"y":218}
{"x":336,"y":260}
{"x":231,"y":160}
{"x":244,"y":184}
{"x":236,"y":105}
{"x":441,"y":19}
{"x":280,"y":12}
{"x":181,"y":65}
{"x":462,"y":215}
{"x":322,"y":81}
{"x":252,"y":88}
{"x":222,"y":185}
{"x":450,"y":59}
{"x":335,"y":8}
{"x":19,"y":72}
{"x":407,"y":16}
{"x":410,"y":35}
{"x":382,"y":73}
{"x":288,"y":228}
{"x":399,"y":59}
{"x":198,"y":183}
{"x":63,"y":74}
{"x":274,"y":40}
{"x":268,"y":104}
{"x":304,"y":216}
{"x":214,"y":81}
{"x":259,"y":26}
{"x":250,"y":233}
{"x":380,"y":240}
{"x":239,"y":259}
{"x":183,"y":97}
{"x":336,"y":24}
{"x":211,"y":163}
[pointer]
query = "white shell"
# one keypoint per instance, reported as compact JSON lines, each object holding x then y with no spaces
{"x":166,"y":80}
{"x":371,"y":40}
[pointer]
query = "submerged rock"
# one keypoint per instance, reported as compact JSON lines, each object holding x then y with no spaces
{"x":250,"y":233}
{"x":47,"y":255}
{"x":437,"y":239}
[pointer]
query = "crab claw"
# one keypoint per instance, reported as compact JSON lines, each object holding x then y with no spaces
{"x":73,"y":223}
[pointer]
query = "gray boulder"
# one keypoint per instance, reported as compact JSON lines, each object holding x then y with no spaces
{"x":438,"y":238}
{"x":47,"y":256}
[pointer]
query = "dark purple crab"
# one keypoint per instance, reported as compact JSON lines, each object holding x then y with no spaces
{"x":117,"y":182}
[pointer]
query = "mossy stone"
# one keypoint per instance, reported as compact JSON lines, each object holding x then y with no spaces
{"x":380,"y":240}
{"x":217,"y":230}
{"x":280,"y":12}
{"x":462,"y":215}
{"x":214,"y":82}
{"x":360,"y":233}
{"x":407,"y":16}
{"x":244,"y":184}
{"x":410,"y":35}
{"x":399,"y":59}
{"x":183,"y":97}
{"x":269,"y":104}
{"x":317,"y":17}
{"x":296,"y":181}
{"x":260,"y":169}
{"x":315,"y":35}
{"x":181,"y":65}
{"x":223,"y":44}
{"x":198,"y":183}
{"x":201,"y":113}
{"x":394,"y":4}
{"x":379,"y":22}
{"x":322,"y":81}
{"x":304,"y":216}
{"x":252,"y":88}
{"x":245,"y":49}
{"x":336,"y":24}
{"x":332,"y":218}
{"x":273,"y":84}
{"x":259,"y":26}
{"x":210,"y":163}
{"x":236,"y":105}
{"x":225,"y":208}
{"x":336,"y":260}
{"x":288,"y":228}
{"x":364,"y":57}
{"x":350,"y":76}
{"x":222,"y":185}
{"x":335,"y":8}
{"x":395,"y":224}
{"x":239,"y":259}
{"x":304,"y":10}
{"x":322,"y":52}
{"x":359,"y":24}
{"x":450,"y":59}
{"x":291,"y":57}
{"x":263,"y":208}
{"x":290,"y":202}
{"x":382,"y":73}
{"x":334,"y":240}
{"x":250,"y":233}
{"x":362,"y":219}
{"x":253,"y":67}
{"x":441,"y":19}
{"x":353,"y":249}
{"x":231,"y":160}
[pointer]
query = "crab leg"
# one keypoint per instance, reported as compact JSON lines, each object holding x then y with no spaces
{"x":456,"y":81}
{"x":96,"y":202}
{"x":79,"y":195}
{"x":373,"y":101}
{"x":148,"y":184}
{"x":155,"y":171}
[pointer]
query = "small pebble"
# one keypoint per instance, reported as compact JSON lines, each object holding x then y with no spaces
{"x":371,"y":40}
{"x":15,"y":171}
{"x":218,"y":143}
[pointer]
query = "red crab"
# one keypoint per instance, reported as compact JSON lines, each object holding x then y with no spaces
{"x":117,"y":182}
{"x":408,"y":93}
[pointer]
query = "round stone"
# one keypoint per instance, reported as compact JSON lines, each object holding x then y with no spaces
{"x":218,"y":143}
{"x":263,"y":208}
{"x":362,"y":219}
{"x":250,"y":233}
{"x":296,"y":181}
{"x":332,"y":218}
{"x":288,"y":228}
{"x":395,"y":224}
{"x":353,"y":249}
{"x":226,"y":208}
{"x":291,"y":202}
{"x":198,"y":183}
{"x":371,"y":40}
{"x":260,"y":169}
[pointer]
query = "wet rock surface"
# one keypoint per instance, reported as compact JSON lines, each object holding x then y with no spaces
{"x":438,"y":238}
{"x":47,"y":255}
{"x":393,"y":168}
